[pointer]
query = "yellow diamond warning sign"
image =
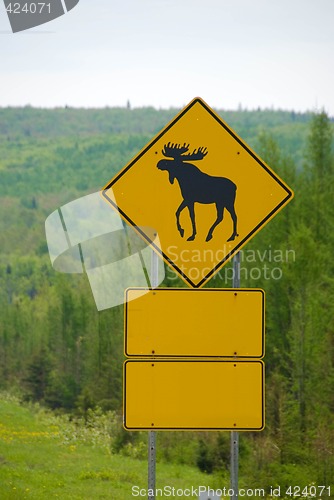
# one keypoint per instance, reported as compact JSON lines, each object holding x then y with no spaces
{"x":201,"y":189}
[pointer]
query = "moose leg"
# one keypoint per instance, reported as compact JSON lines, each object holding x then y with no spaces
{"x":231,"y":209}
{"x":191,"y":209}
{"x":178,"y":212}
{"x":220,"y":216}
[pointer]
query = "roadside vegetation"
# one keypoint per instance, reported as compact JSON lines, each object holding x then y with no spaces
{"x":63,"y":359}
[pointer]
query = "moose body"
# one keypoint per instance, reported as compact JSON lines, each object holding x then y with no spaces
{"x":198,"y":187}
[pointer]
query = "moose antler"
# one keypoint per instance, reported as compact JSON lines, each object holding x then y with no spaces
{"x":174,"y":150}
{"x":196,"y":155}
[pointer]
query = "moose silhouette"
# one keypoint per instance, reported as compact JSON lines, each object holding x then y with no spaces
{"x":198,"y":187}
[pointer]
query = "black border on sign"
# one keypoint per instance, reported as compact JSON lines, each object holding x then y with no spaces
{"x":245,"y":239}
{"x":194,"y":428}
{"x":202,"y":290}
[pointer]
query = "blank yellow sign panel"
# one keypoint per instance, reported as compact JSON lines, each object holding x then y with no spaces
{"x":168,"y":322}
{"x":193,"y":395}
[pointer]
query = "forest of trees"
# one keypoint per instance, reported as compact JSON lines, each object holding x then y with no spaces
{"x":57,"y":349}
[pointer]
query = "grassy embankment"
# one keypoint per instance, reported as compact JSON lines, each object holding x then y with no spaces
{"x":44,"y":456}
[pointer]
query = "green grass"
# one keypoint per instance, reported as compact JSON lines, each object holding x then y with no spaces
{"x":39,"y":459}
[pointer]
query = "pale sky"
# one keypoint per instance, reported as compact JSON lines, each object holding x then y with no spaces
{"x":163,"y":53}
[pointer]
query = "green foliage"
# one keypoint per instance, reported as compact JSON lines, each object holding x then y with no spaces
{"x":213,"y":452}
{"x":59,"y":350}
{"x":37,"y":379}
{"x":46,"y":455}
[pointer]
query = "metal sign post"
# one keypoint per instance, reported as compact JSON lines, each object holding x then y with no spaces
{"x":152,"y":438}
{"x":144,"y":195}
{"x":151,"y":464}
{"x":234,"y":471}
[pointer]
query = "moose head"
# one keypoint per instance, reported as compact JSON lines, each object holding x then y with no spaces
{"x":176,"y":153}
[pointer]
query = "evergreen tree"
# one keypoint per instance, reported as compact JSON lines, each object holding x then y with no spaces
{"x":38,"y":375}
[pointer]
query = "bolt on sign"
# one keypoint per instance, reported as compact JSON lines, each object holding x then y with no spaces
{"x":193,"y":395}
{"x":190,"y":325}
{"x":202,"y":189}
